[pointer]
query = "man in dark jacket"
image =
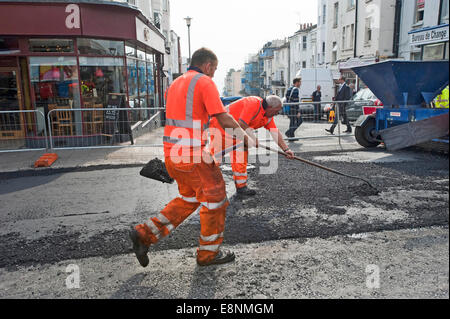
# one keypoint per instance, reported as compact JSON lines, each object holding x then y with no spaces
{"x":344,"y":94}
{"x":317,"y":97}
{"x":295,"y":117}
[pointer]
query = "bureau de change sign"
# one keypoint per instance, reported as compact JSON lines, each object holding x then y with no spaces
{"x":429,"y":35}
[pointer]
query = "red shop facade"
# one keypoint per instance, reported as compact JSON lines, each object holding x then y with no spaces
{"x":75,"y":55}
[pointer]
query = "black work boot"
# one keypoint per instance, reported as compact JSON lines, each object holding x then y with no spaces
{"x":245,"y":191}
{"x":224,"y":256}
{"x":330,"y":131}
{"x":139,"y":248}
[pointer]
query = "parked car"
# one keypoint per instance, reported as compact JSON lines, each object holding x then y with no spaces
{"x":360,"y":99}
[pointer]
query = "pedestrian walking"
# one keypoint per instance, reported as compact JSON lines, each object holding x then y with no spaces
{"x":317,"y":97}
{"x":191,"y":100}
{"x":344,"y":94}
{"x":252,"y":113}
{"x":295,"y":117}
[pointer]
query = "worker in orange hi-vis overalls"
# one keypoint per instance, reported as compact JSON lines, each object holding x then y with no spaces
{"x":251,"y":113}
{"x":191,"y":100}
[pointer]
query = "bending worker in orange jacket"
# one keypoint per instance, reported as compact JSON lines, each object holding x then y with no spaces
{"x":251,"y":113}
{"x":191,"y":100}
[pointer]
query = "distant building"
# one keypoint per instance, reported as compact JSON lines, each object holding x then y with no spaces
{"x":303,"y":50}
{"x":280,"y":68}
{"x":233,"y":83}
{"x":251,"y":77}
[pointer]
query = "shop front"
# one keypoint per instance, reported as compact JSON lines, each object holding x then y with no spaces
{"x":352,"y":79}
{"x":76,"y":55}
{"x":433,"y":42}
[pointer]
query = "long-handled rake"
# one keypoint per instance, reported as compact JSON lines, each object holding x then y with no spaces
{"x":322,"y":167}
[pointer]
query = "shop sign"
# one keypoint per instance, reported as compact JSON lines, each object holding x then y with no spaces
{"x":429,"y":35}
{"x":73,"y":17}
{"x":146,"y":35}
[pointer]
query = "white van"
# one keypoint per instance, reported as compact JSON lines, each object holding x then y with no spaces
{"x":311,"y":78}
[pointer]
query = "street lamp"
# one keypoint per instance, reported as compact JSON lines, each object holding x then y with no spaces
{"x":188,"y":23}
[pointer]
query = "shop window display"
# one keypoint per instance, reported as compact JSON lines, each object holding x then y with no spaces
{"x":55,"y":85}
{"x":55,"y":81}
{"x":132,"y":83}
{"x":99,"y":77}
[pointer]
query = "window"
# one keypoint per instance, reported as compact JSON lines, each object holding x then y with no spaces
{"x":51,"y":45}
{"x":443,"y":19}
{"x":305,"y":44}
{"x":344,"y":38}
{"x":54,"y":82}
{"x":352,"y":35}
{"x":420,"y":9}
{"x":368,"y":31}
{"x":334,"y":54}
{"x":132,"y":83}
{"x":130,"y":51}
{"x":433,"y":52}
{"x":304,"y":64}
{"x":336,"y":15}
{"x":324,"y":14}
{"x":415,"y":56}
{"x":100,"y":47}
{"x":100,"y":77}
{"x":9,"y":45}
{"x":351,"y":4}
{"x":133,"y":2}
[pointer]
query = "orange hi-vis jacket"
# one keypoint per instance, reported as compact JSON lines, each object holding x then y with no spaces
{"x":250,"y":111}
{"x":191,"y":100}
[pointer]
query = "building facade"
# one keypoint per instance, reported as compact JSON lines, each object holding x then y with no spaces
{"x":303,"y":50}
{"x":424,"y":30}
{"x":233,"y":83}
{"x":359,"y":32}
{"x":251,"y":77}
{"x":321,"y":42}
{"x":280,"y":69}
{"x":75,"y":54}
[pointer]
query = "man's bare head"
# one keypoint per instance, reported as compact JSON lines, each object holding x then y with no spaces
{"x":274,"y":105}
{"x":206,"y":60}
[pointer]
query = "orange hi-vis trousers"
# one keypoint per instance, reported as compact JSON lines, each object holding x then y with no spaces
{"x":220,"y":141}
{"x":199,"y":184}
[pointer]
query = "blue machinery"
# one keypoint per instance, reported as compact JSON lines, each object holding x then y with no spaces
{"x":405,"y":88}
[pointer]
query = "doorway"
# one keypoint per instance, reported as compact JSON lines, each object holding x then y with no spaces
{"x":11,"y":124}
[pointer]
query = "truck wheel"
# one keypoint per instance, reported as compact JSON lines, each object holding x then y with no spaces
{"x":366,"y":134}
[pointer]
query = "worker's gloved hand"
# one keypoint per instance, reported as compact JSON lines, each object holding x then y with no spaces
{"x":289,"y":154}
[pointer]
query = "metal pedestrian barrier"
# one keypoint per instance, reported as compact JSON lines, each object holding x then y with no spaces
{"x":22,"y":130}
{"x":101,"y":127}
{"x":321,"y":113}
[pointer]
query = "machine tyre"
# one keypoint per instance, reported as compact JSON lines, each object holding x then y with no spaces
{"x":364,"y":134}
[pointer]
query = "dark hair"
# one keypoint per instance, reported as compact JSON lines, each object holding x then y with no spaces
{"x":202,"y":56}
{"x":296,"y":80}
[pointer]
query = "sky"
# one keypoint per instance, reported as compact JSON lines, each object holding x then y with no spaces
{"x":234,"y":29}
